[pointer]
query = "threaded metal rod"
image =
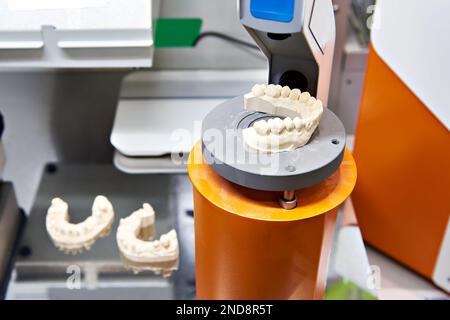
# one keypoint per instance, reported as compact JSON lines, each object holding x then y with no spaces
{"x":288,"y":200}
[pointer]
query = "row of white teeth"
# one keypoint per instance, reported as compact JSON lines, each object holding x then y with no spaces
{"x":72,"y":230}
{"x":276,"y":126}
{"x":78,"y":247}
{"x":277,"y":91}
{"x":142,"y":247}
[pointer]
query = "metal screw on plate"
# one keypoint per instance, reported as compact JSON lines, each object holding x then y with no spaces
{"x":290,"y":168}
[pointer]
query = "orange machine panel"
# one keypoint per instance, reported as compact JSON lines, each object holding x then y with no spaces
{"x":248,"y":247}
{"x":402,"y":197}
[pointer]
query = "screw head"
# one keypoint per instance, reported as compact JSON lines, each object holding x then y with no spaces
{"x":290,"y":168}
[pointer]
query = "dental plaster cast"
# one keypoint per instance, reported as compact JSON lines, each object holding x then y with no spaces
{"x":138,"y":252}
{"x":73,"y":238}
{"x":301,"y":113}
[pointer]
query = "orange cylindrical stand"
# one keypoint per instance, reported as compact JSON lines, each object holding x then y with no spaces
{"x":248,"y":247}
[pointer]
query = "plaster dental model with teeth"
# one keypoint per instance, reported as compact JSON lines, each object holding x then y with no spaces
{"x":301,"y":111}
{"x":73,"y":238}
{"x":138,"y":252}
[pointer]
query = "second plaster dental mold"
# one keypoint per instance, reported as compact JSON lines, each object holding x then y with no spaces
{"x":301,"y":111}
{"x":138,"y":252}
{"x":73,"y":238}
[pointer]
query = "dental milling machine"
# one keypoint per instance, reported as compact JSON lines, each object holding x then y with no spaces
{"x":264,"y":221}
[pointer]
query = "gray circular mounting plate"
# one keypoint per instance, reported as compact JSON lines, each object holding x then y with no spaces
{"x":225,"y":151}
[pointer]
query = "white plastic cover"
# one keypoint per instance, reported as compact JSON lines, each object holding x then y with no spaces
{"x":76,"y":33}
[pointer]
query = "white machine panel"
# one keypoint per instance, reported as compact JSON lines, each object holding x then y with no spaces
{"x":160,"y":113}
{"x":410,"y":36}
{"x":155,"y":127}
{"x":76,"y":34}
{"x":322,"y":29}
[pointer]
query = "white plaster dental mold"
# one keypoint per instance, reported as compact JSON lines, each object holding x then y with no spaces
{"x":300,"y":110}
{"x":73,"y":238}
{"x":138,"y":252}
